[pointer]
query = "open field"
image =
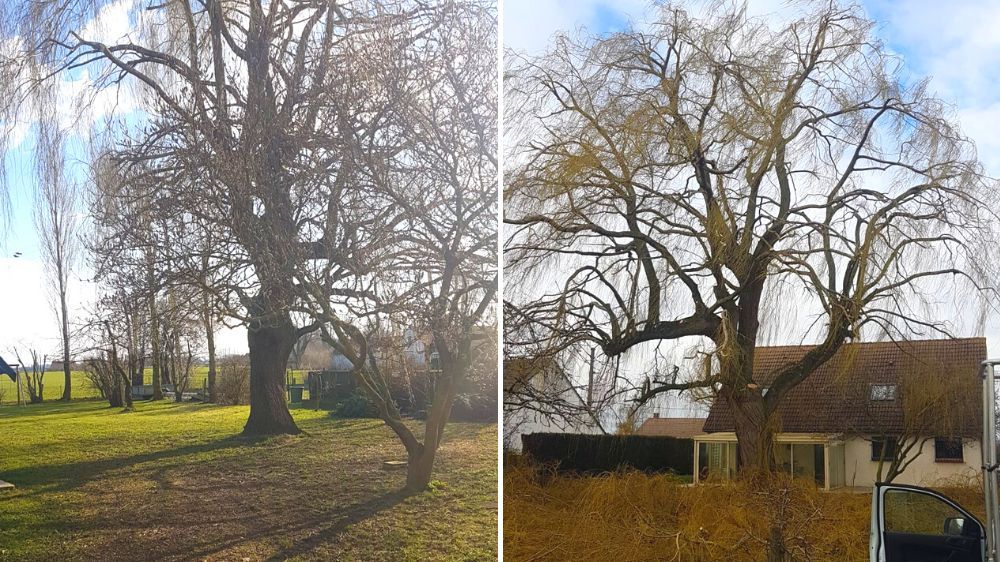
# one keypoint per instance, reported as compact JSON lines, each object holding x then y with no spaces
{"x":173,"y":482}
{"x":53,"y":384}
{"x":632,"y":517}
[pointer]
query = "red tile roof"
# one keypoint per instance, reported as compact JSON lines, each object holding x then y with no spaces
{"x":672,"y":427}
{"x":836,"y":397}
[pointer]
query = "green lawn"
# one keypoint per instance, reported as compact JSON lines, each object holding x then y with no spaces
{"x":174,"y":482}
{"x":53,"y":382}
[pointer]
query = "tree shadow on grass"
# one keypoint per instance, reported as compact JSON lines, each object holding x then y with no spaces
{"x":343,"y":519}
{"x":349,"y":517}
{"x":67,"y":476}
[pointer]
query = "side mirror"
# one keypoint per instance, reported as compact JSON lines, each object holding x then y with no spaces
{"x":954,"y":526}
{"x":962,"y":527}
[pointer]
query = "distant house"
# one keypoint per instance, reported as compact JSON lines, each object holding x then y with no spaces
{"x":58,"y":366}
{"x":411,"y":382}
{"x":834,"y":425}
{"x":681,"y":428}
{"x":540,"y":397}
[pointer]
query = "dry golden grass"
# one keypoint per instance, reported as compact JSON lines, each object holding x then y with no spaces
{"x":634,"y":516}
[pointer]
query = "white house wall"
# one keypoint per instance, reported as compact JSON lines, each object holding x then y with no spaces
{"x":860,"y":470}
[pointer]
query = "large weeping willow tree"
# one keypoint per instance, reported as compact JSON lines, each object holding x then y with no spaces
{"x":677,"y":183}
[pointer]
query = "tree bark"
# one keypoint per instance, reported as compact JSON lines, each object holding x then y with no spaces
{"x":419,"y":467}
{"x":754,"y":432}
{"x":154,"y":338}
{"x":210,"y":337}
{"x":270,"y":346}
{"x":68,"y":381}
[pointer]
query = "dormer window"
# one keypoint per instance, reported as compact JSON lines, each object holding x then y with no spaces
{"x":882,"y":392}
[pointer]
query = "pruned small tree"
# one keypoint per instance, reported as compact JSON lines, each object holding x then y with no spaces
{"x":33,"y":375}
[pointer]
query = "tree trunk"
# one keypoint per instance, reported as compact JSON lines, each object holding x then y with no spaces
{"x":127,"y":397}
{"x":420,"y":465}
{"x":419,"y":468}
{"x":115,"y":398}
{"x":776,"y":551}
{"x":754,"y":434}
{"x":68,"y":381}
{"x":154,"y":338}
{"x":210,"y":335}
{"x":270,"y":347}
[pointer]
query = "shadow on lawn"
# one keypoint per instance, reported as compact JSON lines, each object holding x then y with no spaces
{"x":67,"y":476}
{"x":320,"y":535}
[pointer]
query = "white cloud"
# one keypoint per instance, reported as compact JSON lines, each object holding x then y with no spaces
{"x":111,"y":24}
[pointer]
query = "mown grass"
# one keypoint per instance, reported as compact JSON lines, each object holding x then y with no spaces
{"x":175,"y":482}
{"x":632,"y":516}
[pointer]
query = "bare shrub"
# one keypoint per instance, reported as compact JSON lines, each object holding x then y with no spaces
{"x":233,"y":383}
{"x":101,"y":374}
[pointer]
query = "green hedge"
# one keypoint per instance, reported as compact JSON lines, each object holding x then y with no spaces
{"x":593,"y":454}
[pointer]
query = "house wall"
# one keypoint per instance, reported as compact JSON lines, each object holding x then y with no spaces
{"x":860,"y":470}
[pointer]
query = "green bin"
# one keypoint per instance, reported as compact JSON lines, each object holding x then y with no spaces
{"x":295,"y":393}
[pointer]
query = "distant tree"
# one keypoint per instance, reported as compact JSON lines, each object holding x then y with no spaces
{"x":300,"y":347}
{"x":113,"y":355}
{"x":57,"y":228}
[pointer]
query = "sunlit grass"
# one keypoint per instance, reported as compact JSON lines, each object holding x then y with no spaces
{"x":175,"y":482}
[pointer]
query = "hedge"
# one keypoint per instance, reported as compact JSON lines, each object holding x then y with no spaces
{"x":573,"y":452}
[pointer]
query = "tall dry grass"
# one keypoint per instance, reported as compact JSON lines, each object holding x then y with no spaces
{"x":633,"y":516}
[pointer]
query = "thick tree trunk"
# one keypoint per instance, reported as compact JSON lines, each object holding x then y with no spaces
{"x":116,"y":399}
{"x":270,"y":347}
{"x":776,"y":551}
{"x":127,"y":397}
{"x":754,"y":433}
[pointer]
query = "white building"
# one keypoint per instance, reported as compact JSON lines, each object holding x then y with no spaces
{"x":836,"y":424}
{"x":540,"y":397}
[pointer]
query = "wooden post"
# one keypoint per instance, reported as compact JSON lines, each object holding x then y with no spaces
{"x":826,"y":466}
{"x":697,"y":468}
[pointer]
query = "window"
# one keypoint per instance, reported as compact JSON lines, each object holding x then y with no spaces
{"x":883,"y":392}
{"x":889,"y":445}
{"x":919,"y":513}
{"x":947,"y":450}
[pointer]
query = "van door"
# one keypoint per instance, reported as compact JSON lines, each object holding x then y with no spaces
{"x":912,"y":524}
